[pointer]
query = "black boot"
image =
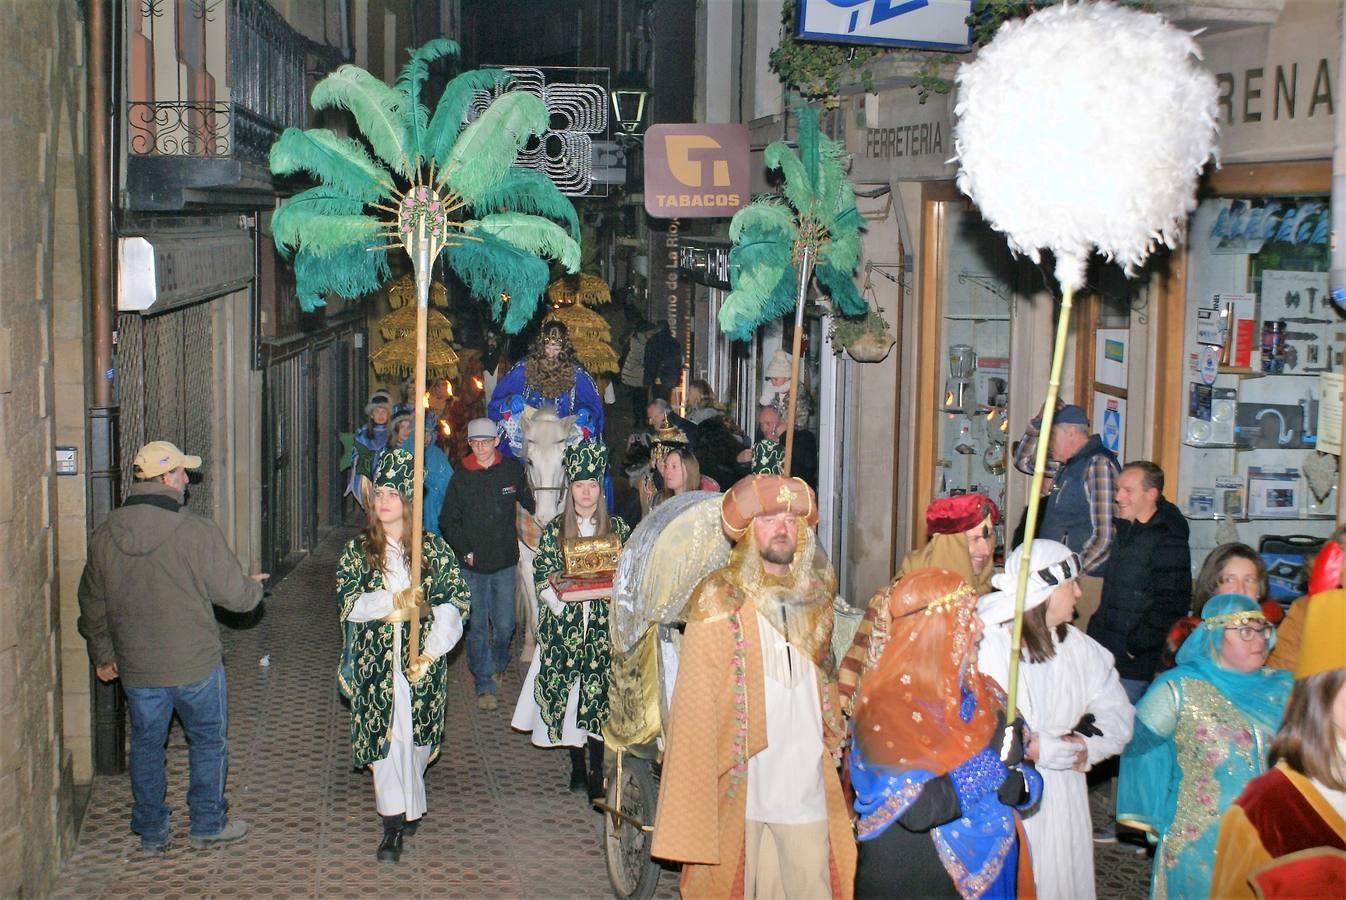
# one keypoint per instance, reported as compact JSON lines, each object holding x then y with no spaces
{"x":579,"y":781}
{"x":595,"y":778}
{"x":409,"y":828}
{"x":390,"y":848}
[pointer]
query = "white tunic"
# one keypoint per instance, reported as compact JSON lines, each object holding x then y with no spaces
{"x":785,"y":780}
{"x":527,"y":713}
{"x":399,"y":778}
{"x":1053,"y":696}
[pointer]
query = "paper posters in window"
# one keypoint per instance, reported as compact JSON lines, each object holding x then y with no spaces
{"x":1329,"y":412}
{"x":1111,"y":349}
{"x":1109,"y":418}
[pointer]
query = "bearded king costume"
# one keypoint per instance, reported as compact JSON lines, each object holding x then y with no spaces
{"x":749,"y":794}
{"x":396,"y":724}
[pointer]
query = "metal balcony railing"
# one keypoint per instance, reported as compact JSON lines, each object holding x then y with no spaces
{"x":268,"y":62}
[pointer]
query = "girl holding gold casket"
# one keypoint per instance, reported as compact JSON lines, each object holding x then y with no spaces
{"x":564,"y":701}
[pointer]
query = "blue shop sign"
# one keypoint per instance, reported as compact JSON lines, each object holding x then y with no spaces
{"x":932,"y":24}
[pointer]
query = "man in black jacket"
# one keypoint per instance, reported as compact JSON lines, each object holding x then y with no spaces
{"x":1147,"y":584}
{"x":478,"y":522}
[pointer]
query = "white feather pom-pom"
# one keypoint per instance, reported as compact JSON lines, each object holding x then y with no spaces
{"x":1085,"y":126}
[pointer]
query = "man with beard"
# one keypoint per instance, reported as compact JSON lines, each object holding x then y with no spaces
{"x":750,"y":802}
{"x":962,"y":540}
{"x":547,"y":376}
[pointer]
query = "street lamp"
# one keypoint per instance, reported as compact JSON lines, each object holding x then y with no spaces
{"x":629,"y":93}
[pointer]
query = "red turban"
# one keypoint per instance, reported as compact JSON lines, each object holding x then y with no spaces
{"x":954,"y":515}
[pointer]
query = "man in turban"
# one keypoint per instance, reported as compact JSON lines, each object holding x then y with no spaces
{"x":962,"y":540}
{"x":750,"y":801}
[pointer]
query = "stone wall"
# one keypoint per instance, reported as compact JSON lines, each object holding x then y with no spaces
{"x":41,"y":90}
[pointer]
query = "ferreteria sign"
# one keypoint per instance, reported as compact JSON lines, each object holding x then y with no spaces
{"x":895,"y":137}
{"x":1278,"y":88}
{"x":696,"y":171}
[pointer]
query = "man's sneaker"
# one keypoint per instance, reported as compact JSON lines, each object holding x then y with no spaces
{"x":156,"y":851}
{"x":487,"y":701}
{"x":1106,"y":834}
{"x":234,"y":831}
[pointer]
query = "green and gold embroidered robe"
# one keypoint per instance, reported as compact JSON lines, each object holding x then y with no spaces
{"x":571,"y":649}
{"x":370,"y":687}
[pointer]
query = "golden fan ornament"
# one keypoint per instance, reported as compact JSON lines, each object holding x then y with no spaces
{"x":397,"y":359}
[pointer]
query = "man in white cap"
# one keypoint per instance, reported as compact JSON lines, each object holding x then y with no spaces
{"x":1070,"y":697}
{"x":154,"y":572}
{"x":478,"y":522}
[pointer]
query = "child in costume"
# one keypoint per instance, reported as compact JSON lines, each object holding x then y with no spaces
{"x":397,"y":702}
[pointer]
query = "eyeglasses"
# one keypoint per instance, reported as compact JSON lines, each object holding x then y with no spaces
{"x":1249,"y":633}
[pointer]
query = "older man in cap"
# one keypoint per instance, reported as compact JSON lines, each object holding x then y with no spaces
{"x":1078,"y":510}
{"x":478,"y":522}
{"x":154,"y":572}
{"x":750,"y":802}
{"x":962,"y":540}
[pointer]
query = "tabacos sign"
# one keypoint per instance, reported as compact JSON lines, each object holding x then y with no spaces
{"x":696,"y":171}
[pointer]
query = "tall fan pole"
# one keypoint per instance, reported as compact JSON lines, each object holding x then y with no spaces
{"x":805,"y":273}
{"x":421,"y":263}
{"x":1035,"y":500}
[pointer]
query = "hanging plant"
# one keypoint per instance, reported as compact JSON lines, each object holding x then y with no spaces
{"x":866,"y":338}
{"x":817,"y":70}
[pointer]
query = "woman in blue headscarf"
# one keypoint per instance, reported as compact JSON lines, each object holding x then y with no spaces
{"x":1201,"y":734}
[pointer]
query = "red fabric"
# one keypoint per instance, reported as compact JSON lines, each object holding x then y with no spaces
{"x":954,"y":515}
{"x":1283,"y":818}
{"x":1326,"y":574}
{"x":1314,"y":874}
{"x":470,"y":462}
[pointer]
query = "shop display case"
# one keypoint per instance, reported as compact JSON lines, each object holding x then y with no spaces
{"x":1262,"y":354}
{"x":975,"y":300}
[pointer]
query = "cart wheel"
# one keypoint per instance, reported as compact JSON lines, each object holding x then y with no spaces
{"x":632,"y":873}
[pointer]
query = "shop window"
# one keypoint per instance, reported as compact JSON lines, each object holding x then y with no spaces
{"x":1260,"y":344}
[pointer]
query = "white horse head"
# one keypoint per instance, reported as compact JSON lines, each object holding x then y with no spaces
{"x":544,"y":441}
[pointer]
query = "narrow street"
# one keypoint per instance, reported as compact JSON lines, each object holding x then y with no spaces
{"x":500,"y":823}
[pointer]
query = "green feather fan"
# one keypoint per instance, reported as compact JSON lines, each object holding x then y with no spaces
{"x":447,"y":122}
{"x":485,"y":150}
{"x":379,"y":110}
{"x":338,"y":232}
{"x":527,"y":191}
{"x":816,"y":212}
{"x":535,"y":234}
{"x":492,"y":267}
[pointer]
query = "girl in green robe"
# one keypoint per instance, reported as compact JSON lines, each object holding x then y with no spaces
{"x":564,"y":701}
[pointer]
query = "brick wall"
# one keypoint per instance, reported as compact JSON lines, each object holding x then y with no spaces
{"x":41,"y":89}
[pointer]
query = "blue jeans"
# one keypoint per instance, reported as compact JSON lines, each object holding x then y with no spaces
{"x":490,"y":627}
{"x":203,"y":707}
{"x":1135,"y":689}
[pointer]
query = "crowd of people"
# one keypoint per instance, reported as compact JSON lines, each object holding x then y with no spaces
{"x":789,"y":769}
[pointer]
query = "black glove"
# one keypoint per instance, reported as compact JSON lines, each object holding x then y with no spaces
{"x":1085,"y":727}
{"x":1013,"y":791}
{"x":1016,"y":748}
{"x":936,"y":804}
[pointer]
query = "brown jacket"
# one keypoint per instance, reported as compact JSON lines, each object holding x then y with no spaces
{"x":701,"y":810}
{"x":154,"y":571}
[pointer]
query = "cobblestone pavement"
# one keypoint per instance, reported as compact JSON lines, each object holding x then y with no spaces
{"x":500,"y":821}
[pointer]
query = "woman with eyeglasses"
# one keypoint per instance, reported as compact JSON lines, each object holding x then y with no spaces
{"x":1202,"y":732}
{"x":1232,"y":568}
{"x":1285,"y":836}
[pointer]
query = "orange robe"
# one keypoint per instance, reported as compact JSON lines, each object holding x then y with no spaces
{"x":702,"y":803}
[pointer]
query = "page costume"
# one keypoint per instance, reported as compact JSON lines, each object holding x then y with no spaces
{"x":396,"y":725}
{"x":1054,"y":697}
{"x":930,"y":790}
{"x":564,"y":700}
{"x":1201,"y":735}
